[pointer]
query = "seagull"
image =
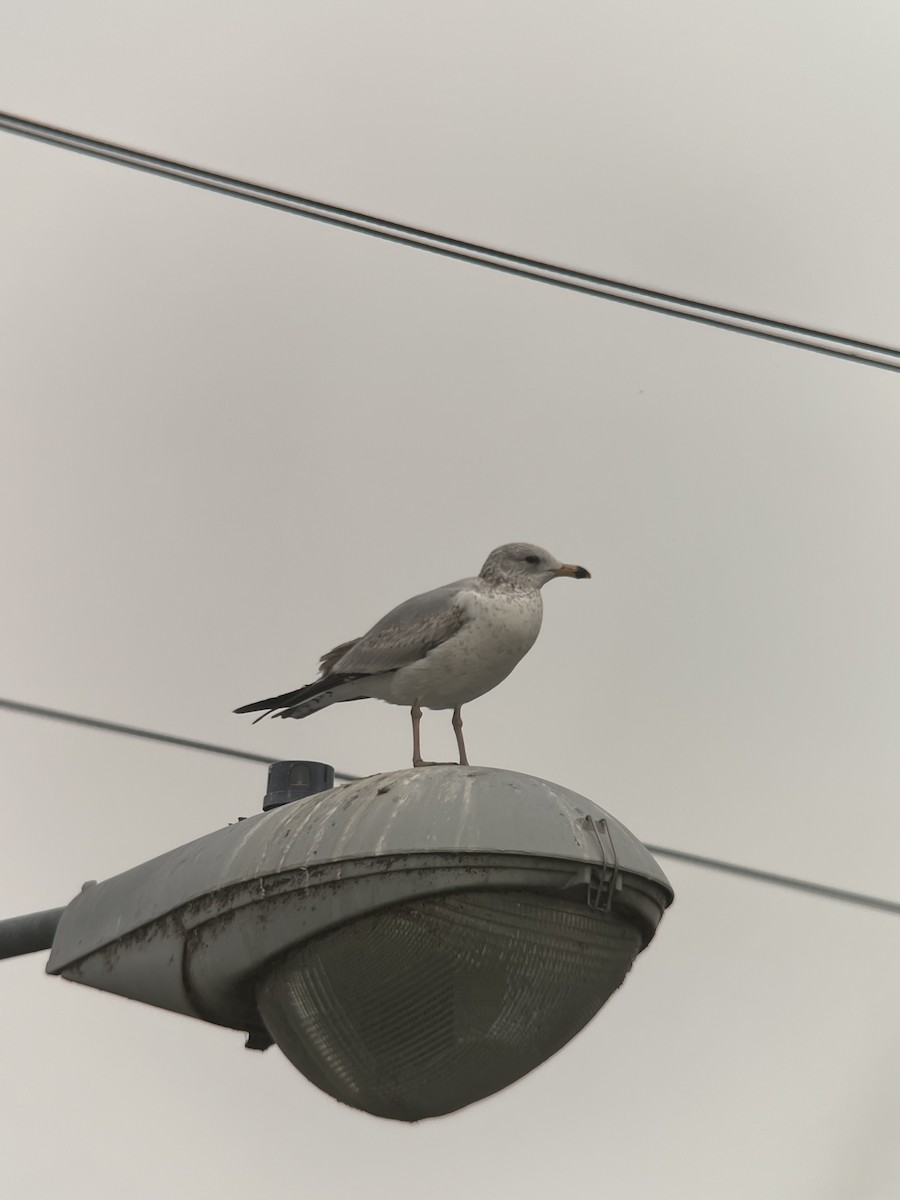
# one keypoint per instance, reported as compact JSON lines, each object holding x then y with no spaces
{"x":439,"y":650}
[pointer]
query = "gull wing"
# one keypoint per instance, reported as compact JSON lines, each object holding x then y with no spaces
{"x":405,"y":635}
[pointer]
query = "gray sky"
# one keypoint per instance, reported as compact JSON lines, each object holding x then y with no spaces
{"x":234,"y":438}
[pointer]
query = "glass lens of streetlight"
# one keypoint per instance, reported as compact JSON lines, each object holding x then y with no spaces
{"x":420,"y":1009}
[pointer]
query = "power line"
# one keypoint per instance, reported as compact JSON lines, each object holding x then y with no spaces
{"x":715,"y":864}
{"x":803,"y":885}
{"x":56,"y":714}
{"x":784,"y":333}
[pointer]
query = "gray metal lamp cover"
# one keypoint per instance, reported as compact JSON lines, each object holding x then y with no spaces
{"x":413,"y":941}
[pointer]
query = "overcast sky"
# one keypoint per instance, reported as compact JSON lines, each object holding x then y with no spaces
{"x":233,"y":438}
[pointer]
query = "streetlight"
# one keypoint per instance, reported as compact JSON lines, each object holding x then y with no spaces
{"x":412,"y":942}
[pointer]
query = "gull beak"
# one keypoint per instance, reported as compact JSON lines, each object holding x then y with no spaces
{"x":573,"y":572}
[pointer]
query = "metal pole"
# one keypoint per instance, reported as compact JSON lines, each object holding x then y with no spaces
{"x":29,"y":933}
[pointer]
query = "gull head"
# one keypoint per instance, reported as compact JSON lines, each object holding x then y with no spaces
{"x":527,"y":565}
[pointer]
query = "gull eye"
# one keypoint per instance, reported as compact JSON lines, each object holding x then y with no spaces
{"x":532,"y":558}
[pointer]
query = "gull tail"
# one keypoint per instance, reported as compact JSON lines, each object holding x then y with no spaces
{"x":333,"y":689}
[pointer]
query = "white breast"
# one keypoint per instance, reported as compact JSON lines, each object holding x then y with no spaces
{"x":502,"y":628}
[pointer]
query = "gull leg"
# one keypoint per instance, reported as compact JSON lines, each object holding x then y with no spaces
{"x":416,"y":713}
{"x":457,"y":729}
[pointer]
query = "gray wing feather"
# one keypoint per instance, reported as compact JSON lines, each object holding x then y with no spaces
{"x":327,"y":661}
{"x":406,"y":634}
